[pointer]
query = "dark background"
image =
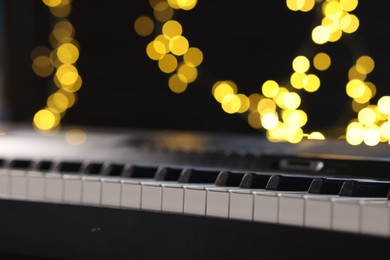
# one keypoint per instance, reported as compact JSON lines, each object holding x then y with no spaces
{"x":246,"y":42}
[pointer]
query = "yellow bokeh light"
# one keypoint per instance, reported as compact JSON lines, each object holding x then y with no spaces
{"x":174,"y":4}
{"x":178,"y":45}
{"x":176,"y":85}
{"x":294,"y":134}
{"x":144,"y":26}
{"x":294,"y":5}
{"x":61,"y":11}
{"x":321,"y":61}
{"x":270,"y":120}
{"x":172,"y":29}
{"x":43,"y":66}
{"x":186,"y":4}
{"x":167,"y":63}
{"x":71,"y":88}
{"x":365,"y":65}
{"x":222,"y":89}
{"x":270,"y":88}
{"x":254,"y":100}
{"x":353,"y":73}
{"x":160,"y":45}
{"x":348,"y":5}
{"x":292,"y":100}
{"x":371,"y":136}
{"x":294,"y":117}
{"x":349,"y":23}
{"x":52,"y":3}
{"x":301,"y":64}
{"x":296,"y":80}
{"x":163,"y":12}
{"x":231,"y":103}
{"x":45,"y":119}
{"x":385,"y":130}
{"x":187,"y":73}
{"x":152,"y":52}
{"x":63,"y":30}
{"x":265,"y":104}
{"x":311,"y":83}
{"x":278,"y":133}
{"x":68,"y":53}
{"x":355,"y":133}
{"x":75,"y":136}
{"x":384,"y":105}
{"x":316,"y":136}
{"x":308,"y":5}
{"x":193,"y":56}
{"x":355,"y":88}
{"x":245,"y":103}
{"x":367,"y":116}
{"x":254,"y":120}
{"x":320,"y":34}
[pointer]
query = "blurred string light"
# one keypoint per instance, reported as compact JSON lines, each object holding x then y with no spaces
{"x":276,"y":107}
{"x":58,"y":62}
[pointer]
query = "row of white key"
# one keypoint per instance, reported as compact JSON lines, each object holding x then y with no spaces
{"x":359,"y":215}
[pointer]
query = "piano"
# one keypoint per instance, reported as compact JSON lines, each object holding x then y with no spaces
{"x":121,"y":193}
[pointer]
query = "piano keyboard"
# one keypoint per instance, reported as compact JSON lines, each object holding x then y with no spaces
{"x":126,"y":194}
{"x":348,"y":205}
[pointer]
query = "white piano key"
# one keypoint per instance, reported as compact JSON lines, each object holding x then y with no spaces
{"x":111,"y":192}
{"x":291,"y":209}
{"x":375,"y":218}
{"x":53,"y":187}
{"x":4,"y":183}
{"x":36,"y":185}
{"x":241,"y":204}
{"x":151,"y":197}
{"x":318,"y":211}
{"x":72,"y":188}
{"x":91,"y":190}
{"x":346,"y":214}
{"x":18,"y":183}
{"x":195,"y":200}
{"x":131,"y":194}
{"x":217,"y":204}
{"x":173,"y":198}
{"x":266,"y":206}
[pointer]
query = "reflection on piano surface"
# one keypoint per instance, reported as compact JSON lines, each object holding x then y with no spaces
{"x":141,"y":194}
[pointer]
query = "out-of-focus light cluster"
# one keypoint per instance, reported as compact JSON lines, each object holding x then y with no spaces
{"x":276,"y":107}
{"x":59,"y":61}
{"x":372,"y":123}
{"x":170,"y":48}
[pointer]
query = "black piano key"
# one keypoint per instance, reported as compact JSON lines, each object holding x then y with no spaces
{"x":44,"y":166}
{"x":255,"y":180}
{"x":289,"y":183}
{"x":94,"y":168}
{"x":229,"y":179}
{"x":326,"y":186}
{"x":355,"y":188}
{"x":167,"y":174}
{"x":140,"y":171}
{"x":3,"y":163}
{"x":69,"y":167}
{"x":189,"y":175}
{"x":20,"y":164}
{"x":114,"y":169}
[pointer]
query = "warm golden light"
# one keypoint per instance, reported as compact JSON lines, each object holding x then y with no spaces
{"x":144,"y":26}
{"x":321,"y":61}
{"x":75,"y":136}
{"x":276,"y":107}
